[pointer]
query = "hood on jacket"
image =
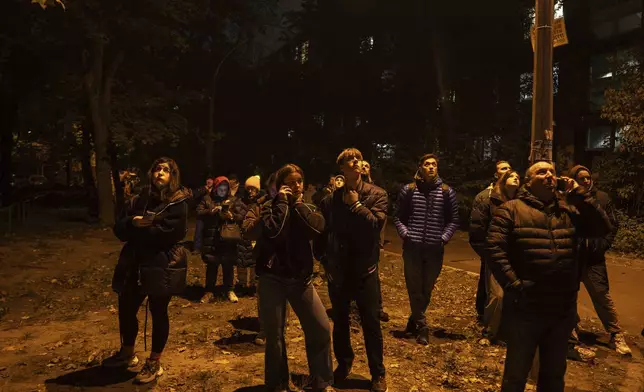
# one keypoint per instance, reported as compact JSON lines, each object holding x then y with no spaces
{"x":218,"y":181}
{"x":576,"y":169}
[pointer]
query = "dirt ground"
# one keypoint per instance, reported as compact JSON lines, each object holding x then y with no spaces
{"x":58,"y":320}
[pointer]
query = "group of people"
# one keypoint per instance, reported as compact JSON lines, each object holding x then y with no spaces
{"x":538,"y":237}
{"x":537,"y":241}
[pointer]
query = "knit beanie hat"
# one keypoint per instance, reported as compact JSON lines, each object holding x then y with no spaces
{"x":253,"y":181}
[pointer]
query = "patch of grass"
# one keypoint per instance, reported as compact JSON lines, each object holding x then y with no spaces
{"x":208,"y":381}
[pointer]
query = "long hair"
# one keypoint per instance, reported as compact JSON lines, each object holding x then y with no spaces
{"x":284,"y":172}
{"x":175,"y":178}
{"x":500,"y":186}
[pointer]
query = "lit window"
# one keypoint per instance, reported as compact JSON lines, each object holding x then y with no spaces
{"x":525,"y":86}
{"x":366,"y":44}
{"x":599,"y":137}
{"x":290,"y":133}
{"x":385,"y":151}
{"x":302,"y":52}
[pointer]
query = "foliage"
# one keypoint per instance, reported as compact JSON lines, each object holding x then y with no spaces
{"x":622,"y":174}
{"x":624,"y":102}
{"x":630,"y":236}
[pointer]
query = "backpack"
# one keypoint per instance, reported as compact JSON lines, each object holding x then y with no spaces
{"x":447,"y":203}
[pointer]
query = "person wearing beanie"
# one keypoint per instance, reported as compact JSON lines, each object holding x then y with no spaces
{"x":253,"y":182}
{"x":245,"y":259}
{"x":593,"y":254}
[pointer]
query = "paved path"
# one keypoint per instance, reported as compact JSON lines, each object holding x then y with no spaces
{"x":626,"y":281}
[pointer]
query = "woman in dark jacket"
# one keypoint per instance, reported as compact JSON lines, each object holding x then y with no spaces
{"x":216,"y":209}
{"x":245,"y":259}
{"x":505,"y":189}
{"x":285,"y":267}
{"x":152,"y":263}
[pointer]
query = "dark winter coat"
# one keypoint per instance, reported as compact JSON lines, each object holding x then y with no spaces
{"x":284,"y":233}
{"x":429,"y":215}
{"x":350,"y":243}
{"x":533,"y":252}
{"x":245,"y":256}
{"x":322,"y":194}
{"x":152,"y":260}
{"x":593,"y":250}
{"x":210,"y":210}
{"x":482,"y":211}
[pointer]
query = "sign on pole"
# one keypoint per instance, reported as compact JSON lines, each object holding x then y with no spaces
{"x":559,"y":35}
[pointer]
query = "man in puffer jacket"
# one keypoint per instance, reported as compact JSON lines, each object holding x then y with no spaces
{"x":532,"y":246}
{"x":426,"y":219}
{"x":593,"y":253}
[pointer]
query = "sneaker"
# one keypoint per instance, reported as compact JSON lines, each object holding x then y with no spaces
{"x":341,"y":373}
{"x":423,"y":336}
{"x":150,"y":372}
{"x":384,"y":316}
{"x":208,"y":298}
{"x":581,"y":354}
{"x":485,"y":342}
{"x":260,"y":339}
{"x":232,"y":297}
{"x":379,"y":384}
{"x":119,"y":360}
{"x":618,"y":342}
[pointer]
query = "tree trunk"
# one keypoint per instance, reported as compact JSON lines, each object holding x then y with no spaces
{"x":210,"y":135}
{"x":99,"y":85}
{"x":118,"y":186}
{"x":8,"y":116}
{"x":88,"y":176}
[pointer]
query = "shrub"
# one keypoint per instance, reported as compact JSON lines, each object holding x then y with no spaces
{"x":630,"y":237}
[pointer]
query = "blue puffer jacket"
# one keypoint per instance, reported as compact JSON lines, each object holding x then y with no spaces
{"x":425,"y":216}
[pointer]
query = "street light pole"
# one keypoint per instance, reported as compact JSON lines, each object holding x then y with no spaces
{"x":542,"y":97}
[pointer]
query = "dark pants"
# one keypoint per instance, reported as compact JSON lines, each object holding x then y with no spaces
{"x":366,"y":293}
{"x":129,"y":304}
{"x":380,"y":307}
{"x":595,"y":279}
{"x":481,"y":292}
{"x":227,"y":263}
{"x":423,"y":264}
{"x":274,"y":292}
{"x":523,"y":337}
{"x":198,"y":235}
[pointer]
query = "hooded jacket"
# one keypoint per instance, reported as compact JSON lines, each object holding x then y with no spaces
{"x":152,"y":261}
{"x":593,"y":250}
{"x":210,"y":210}
{"x":532,"y":250}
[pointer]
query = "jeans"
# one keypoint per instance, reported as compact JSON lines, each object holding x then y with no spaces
{"x":492,"y":315}
{"x":129,"y":304}
{"x":595,"y":279}
{"x":227,"y":263}
{"x":481,"y":292}
{"x":274,"y":292}
{"x":523,"y":337}
{"x":365,"y":291}
{"x":423,"y":264}
{"x":246,"y":276}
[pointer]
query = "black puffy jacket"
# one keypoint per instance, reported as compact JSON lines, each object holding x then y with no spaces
{"x":593,"y":250}
{"x":350,"y":243}
{"x":482,"y":210}
{"x":533,"y":250}
{"x":153,"y":261}
{"x":245,"y":256}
